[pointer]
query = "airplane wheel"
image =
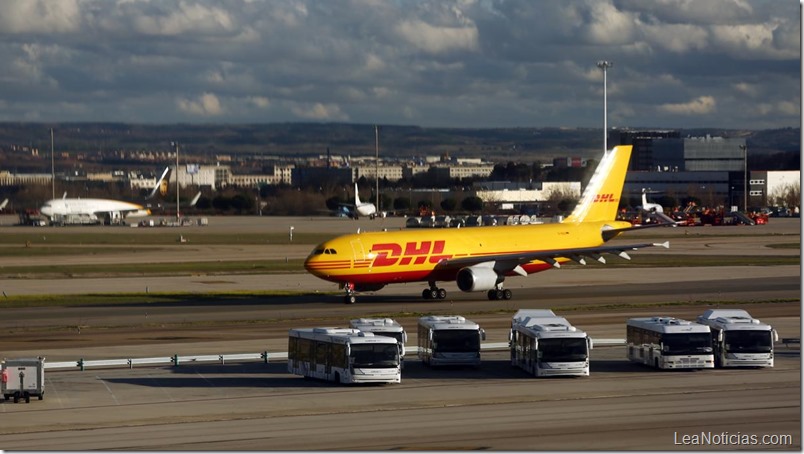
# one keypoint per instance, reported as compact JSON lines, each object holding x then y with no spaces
{"x":492,"y":294}
{"x":433,"y":294}
{"x":507,"y":294}
{"x":442,"y":294}
{"x":350,"y":299}
{"x":499,"y":294}
{"x":426,"y":294}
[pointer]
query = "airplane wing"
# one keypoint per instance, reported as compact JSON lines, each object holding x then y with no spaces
{"x":505,"y":263}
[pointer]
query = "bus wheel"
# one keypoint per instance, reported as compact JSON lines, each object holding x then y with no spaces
{"x":656,"y":362}
{"x":337,"y":377}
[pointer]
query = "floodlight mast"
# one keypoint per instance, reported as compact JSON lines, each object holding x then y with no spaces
{"x":605,"y":65}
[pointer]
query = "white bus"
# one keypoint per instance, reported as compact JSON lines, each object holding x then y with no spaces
{"x":669,"y":343}
{"x":343,"y":355}
{"x":383,"y":327}
{"x":739,"y":339}
{"x":544,"y":344}
{"x":449,"y":341}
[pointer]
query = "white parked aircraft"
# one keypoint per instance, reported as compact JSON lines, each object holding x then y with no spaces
{"x":94,"y":211}
{"x":360,"y":208}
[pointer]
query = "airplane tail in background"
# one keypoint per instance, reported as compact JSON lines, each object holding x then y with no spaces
{"x":195,"y":199}
{"x":158,"y":183}
{"x":357,"y":197}
{"x":601,"y":198}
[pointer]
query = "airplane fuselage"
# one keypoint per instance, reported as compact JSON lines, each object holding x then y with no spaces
{"x":91,"y":208}
{"x":374,"y":258}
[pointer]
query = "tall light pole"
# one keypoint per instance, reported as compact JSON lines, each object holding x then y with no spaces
{"x":377,"y":163}
{"x":605,"y":65}
{"x":745,"y":177}
{"x":178,"y":215}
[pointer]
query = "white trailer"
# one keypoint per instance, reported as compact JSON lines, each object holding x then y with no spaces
{"x":449,"y":341}
{"x":738,"y":339}
{"x":383,"y":327}
{"x":544,"y":344}
{"x":669,"y":343}
{"x":23,"y":378}
{"x":343,"y":355}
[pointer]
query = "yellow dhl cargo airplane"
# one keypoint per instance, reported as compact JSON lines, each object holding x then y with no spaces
{"x":480,"y":258}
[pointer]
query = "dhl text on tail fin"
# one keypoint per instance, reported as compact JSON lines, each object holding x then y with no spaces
{"x":479,"y":259}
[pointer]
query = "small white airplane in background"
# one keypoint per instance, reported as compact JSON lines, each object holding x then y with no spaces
{"x":655,"y":209}
{"x":361,"y":208}
{"x":95,"y":211}
{"x":650,"y":207}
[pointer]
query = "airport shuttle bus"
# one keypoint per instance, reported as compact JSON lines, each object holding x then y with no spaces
{"x":738,"y":339}
{"x":449,"y":341}
{"x":383,"y":327}
{"x":343,"y":355}
{"x":544,"y":344}
{"x":669,"y":343}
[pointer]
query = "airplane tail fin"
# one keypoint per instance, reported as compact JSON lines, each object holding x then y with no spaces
{"x":3,"y":205}
{"x":158,"y":183}
{"x":195,"y":199}
{"x":601,"y":198}
{"x":357,"y":197}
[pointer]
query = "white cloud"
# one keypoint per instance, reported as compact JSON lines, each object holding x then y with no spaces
{"x":437,"y":40}
{"x":320,"y":112}
{"x":259,"y":101}
{"x":700,"y":106}
{"x":206,"y":105}
{"x":25,"y":16}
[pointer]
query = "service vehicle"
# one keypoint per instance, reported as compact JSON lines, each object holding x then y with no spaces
{"x":343,"y":355}
{"x":669,"y":343}
{"x":738,"y":339}
{"x":23,"y":379}
{"x":449,"y":341}
{"x":383,"y":327}
{"x":544,"y":344}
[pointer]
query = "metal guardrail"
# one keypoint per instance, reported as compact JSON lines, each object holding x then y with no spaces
{"x":791,"y":340}
{"x":178,"y":360}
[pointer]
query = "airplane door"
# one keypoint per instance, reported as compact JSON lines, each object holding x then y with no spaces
{"x":358,"y":252}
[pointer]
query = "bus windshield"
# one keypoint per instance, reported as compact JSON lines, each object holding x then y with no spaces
{"x":748,"y":341}
{"x":375,"y":355}
{"x":687,"y":344}
{"x":456,"y":340}
{"x":566,"y":349}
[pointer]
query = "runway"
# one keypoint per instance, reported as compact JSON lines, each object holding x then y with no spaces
{"x":255,"y":406}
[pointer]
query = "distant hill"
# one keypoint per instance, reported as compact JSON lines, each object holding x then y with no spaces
{"x":289,"y":139}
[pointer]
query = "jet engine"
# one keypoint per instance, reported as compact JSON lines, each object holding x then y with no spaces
{"x":477,"y":279}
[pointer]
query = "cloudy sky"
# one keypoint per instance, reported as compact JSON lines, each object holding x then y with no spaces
{"x":432,"y":63}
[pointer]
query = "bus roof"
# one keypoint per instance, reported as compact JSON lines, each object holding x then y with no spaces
{"x":732,"y":320}
{"x":668,"y":325}
{"x":544,"y":327}
{"x":340,"y":336}
{"x":376,"y":324}
{"x":439,"y":322}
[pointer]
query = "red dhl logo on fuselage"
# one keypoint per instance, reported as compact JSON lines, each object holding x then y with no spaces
{"x":605,"y":198}
{"x":389,"y":254}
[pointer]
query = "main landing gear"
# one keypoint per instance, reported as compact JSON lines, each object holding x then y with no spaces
{"x":500,"y":294}
{"x":434,"y":293}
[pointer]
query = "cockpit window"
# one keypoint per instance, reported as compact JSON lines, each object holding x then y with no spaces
{"x":330,"y":251}
{"x":318,"y":252}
